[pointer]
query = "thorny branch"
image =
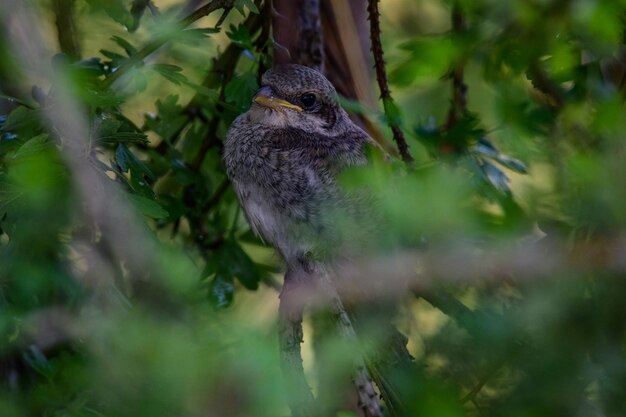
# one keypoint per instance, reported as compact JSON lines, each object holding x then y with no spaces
{"x":381,"y":77}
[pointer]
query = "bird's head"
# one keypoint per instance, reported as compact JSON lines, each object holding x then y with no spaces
{"x":297,"y":96}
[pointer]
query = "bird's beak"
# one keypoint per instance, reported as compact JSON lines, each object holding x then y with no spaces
{"x":265,"y":97}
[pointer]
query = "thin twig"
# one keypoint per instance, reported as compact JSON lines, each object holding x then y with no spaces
{"x":458,"y":106}
{"x":156,"y":43}
{"x":381,"y":77}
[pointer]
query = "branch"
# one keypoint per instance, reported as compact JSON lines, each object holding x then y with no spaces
{"x":290,"y":337}
{"x":458,"y":106}
{"x":155,"y":44}
{"x":381,"y":77}
{"x":368,"y":398}
{"x":310,"y":50}
{"x":66,"y":28}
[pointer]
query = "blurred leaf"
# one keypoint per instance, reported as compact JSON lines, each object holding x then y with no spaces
{"x":184,"y":175}
{"x":127,"y":161}
{"x":170,"y":119}
{"x":38,"y":361}
{"x":24,"y":123}
{"x":240,"y":90}
{"x":429,"y":60}
{"x":147,"y":207}
{"x":241,"y":4}
{"x":495,"y":176}
{"x":116,"y":59}
{"x":126,"y":46}
{"x":230,"y":260}
{"x":194,"y":35}
{"x":221,"y":291}
{"x":240,"y":36}
{"x":90,"y":67}
{"x":170,"y":72}
{"x":116,"y":9}
{"x":137,"y":10}
{"x":513,"y":164}
{"x":33,"y":146}
{"x":112,"y":131}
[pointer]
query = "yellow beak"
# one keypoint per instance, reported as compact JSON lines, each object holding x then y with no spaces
{"x":265,"y":97}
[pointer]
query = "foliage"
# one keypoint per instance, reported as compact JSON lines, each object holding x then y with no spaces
{"x":131,"y":285}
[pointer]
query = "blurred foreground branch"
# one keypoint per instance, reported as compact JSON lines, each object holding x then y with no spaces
{"x":158,"y":42}
{"x":359,"y":280}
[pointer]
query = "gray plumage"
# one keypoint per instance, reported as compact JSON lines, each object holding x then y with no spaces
{"x":283,"y":157}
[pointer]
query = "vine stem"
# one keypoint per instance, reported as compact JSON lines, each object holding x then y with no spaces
{"x":381,"y":77}
{"x":156,"y":43}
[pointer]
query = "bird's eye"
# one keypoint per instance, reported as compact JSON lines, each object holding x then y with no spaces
{"x":308,"y":99}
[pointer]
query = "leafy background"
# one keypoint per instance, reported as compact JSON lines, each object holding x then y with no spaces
{"x":130,"y":283}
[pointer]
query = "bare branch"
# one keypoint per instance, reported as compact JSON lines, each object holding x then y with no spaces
{"x":66,"y":28}
{"x":290,"y":337}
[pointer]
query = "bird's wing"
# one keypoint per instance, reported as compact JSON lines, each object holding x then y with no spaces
{"x":341,"y":150}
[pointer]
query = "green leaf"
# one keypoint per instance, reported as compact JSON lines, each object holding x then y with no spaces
{"x":137,"y":9}
{"x":116,"y":9}
{"x":184,"y":175}
{"x":232,"y":260}
{"x":221,"y":291}
{"x":23,"y":122}
{"x":170,"y":119}
{"x":202,"y":90}
{"x":429,"y":59}
{"x":127,"y":161}
{"x":108,"y":127}
{"x":9,"y":192}
{"x":170,"y":72}
{"x":148,"y":207}
{"x":90,"y":67}
{"x":127,"y":46}
{"x":249,"y":4}
{"x":116,"y":59}
{"x":241,"y":36}
{"x":33,"y":146}
{"x":114,"y":131}
{"x":240,"y":90}
{"x":193,"y":35}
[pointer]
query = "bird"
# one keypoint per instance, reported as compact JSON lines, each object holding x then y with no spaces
{"x":283,"y":158}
